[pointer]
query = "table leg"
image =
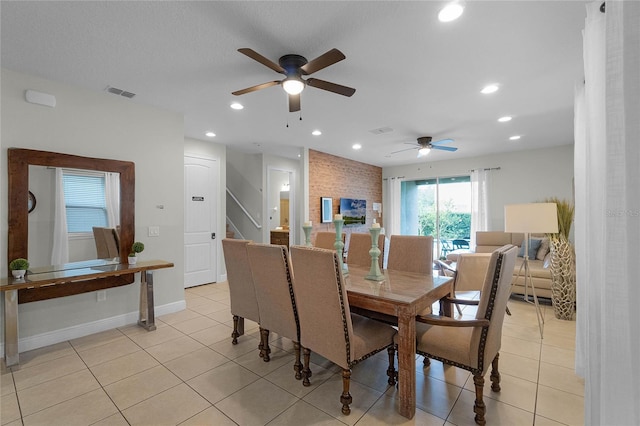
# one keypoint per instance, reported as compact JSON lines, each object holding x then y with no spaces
{"x":147,"y":312}
{"x":11,"y":355}
{"x":407,"y":363}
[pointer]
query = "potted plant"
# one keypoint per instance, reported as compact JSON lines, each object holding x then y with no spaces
{"x":563,"y":263}
{"x":19,"y":267}
{"x":136,"y":248}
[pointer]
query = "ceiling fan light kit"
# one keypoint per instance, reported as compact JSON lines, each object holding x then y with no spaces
{"x":294,"y":67}
{"x":425,"y":145}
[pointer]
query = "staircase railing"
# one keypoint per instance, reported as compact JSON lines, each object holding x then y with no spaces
{"x":244,"y":210}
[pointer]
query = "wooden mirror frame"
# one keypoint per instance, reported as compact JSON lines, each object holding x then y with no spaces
{"x":18,"y":161}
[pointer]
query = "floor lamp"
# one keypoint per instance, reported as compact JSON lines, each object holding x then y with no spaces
{"x":530,"y":218}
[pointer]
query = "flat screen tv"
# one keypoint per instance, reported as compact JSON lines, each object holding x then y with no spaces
{"x":354,"y":212}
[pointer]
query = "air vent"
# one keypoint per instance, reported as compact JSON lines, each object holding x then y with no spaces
{"x":381,"y":130}
{"x":120,"y":92}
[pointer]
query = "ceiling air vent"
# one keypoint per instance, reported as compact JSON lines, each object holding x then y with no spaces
{"x":120,"y":92}
{"x":381,"y":130}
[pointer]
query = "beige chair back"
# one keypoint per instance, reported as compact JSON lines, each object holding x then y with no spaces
{"x":471,"y":271}
{"x":271,"y":272}
{"x":326,"y":240}
{"x":325,"y":319}
{"x":107,"y":242}
{"x":242,"y":291}
{"x":358,"y":251}
{"x":493,"y":303}
{"x":411,"y":253}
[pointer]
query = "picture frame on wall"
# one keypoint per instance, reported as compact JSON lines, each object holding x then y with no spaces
{"x":326,"y":209}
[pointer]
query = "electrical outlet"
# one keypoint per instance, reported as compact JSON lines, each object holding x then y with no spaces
{"x":101,"y":295}
{"x":154,"y":231}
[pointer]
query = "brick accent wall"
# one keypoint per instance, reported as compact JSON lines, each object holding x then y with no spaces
{"x":337,"y":177}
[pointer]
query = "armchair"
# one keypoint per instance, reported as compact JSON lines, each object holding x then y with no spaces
{"x":473,"y":344}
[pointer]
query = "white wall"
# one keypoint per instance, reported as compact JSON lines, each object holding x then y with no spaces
{"x":524,"y":176}
{"x":101,"y":125}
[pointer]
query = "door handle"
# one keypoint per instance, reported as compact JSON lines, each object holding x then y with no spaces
{"x":213,"y":235}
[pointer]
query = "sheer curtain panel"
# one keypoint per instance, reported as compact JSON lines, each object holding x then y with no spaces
{"x":60,"y":251}
{"x":607,"y":185}
{"x":480,"y":179}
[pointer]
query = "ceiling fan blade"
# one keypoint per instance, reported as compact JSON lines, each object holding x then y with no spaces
{"x":256,"y":87}
{"x":444,"y":148}
{"x":331,"y":87}
{"x":403,"y":150}
{"x":264,"y":61}
{"x":322,"y":61}
{"x":294,"y":103}
{"x":441,"y":142}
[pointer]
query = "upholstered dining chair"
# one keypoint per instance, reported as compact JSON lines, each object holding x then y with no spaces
{"x":326,"y":239}
{"x":473,"y":344}
{"x":242,"y":292}
{"x":327,"y":326}
{"x":359,"y":246}
{"x":411,"y":253}
{"x":469,"y":275}
{"x":272,"y":277}
{"x":107,"y":242}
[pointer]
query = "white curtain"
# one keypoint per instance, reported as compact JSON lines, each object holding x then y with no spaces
{"x":480,"y":180}
{"x":607,"y":185}
{"x":60,"y":252}
{"x":393,"y":210}
{"x":112,"y":198}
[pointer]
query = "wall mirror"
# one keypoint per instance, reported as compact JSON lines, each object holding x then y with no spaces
{"x":20,"y":161}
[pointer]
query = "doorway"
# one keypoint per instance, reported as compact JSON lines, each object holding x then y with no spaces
{"x":201,"y":189}
{"x":280,"y":207}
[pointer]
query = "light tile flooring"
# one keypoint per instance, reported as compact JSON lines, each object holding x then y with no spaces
{"x":187,"y":372}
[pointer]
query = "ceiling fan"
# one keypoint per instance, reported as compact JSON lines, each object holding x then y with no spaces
{"x":294,"y":67}
{"x":425,"y":146}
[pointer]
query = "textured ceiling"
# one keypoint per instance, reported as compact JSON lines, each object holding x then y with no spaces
{"x":412,"y":73}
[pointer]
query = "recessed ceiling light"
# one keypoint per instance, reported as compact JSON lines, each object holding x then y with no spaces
{"x":514,"y":138}
{"x":316,"y":133}
{"x":451,"y":11}
{"x":210,"y":134}
{"x":237,"y":105}
{"x":505,"y":119}
{"x":356,"y":146}
{"x":490,"y":88}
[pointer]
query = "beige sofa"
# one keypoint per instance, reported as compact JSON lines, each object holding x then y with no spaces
{"x":488,"y":241}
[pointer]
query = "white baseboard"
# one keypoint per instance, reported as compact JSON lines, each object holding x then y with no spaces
{"x":81,"y":330}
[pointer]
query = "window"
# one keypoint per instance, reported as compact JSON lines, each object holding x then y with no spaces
{"x":440,"y":207}
{"x":85,"y":201}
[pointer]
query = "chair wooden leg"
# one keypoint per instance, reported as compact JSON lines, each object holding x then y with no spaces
{"x":297,"y":365}
{"x":306,"y":371}
{"x":264,"y":341}
{"x":345,"y":398}
{"x":426,"y":362}
{"x":391,"y":371}
{"x":459,"y":310}
{"x":235,"y":334}
{"x":495,"y":374}
{"x":479,"y":408}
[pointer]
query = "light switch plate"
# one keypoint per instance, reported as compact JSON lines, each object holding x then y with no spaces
{"x":154,"y":231}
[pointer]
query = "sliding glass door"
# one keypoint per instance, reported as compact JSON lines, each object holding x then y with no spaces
{"x":440,"y":207}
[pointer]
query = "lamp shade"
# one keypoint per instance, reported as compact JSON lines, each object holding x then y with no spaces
{"x":531,"y":218}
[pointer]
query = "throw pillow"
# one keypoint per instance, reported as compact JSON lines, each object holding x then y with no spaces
{"x":534,"y":245}
{"x":544,"y":249}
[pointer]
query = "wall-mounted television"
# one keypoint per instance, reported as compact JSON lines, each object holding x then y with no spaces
{"x":354,"y":212}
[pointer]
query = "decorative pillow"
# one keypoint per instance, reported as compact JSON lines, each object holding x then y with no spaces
{"x":544,"y":249}
{"x":534,"y":245}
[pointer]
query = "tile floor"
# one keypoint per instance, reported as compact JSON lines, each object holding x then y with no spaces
{"x":187,"y":372}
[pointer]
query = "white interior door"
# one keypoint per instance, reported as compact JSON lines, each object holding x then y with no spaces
{"x":200,"y":238}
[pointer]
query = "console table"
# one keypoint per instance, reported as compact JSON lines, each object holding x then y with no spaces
{"x":68,"y":275}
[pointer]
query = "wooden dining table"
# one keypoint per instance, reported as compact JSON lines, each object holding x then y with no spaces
{"x":402,"y":295}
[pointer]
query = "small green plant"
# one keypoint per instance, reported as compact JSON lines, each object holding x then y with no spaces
{"x":19,"y":264}
{"x":136,"y":248}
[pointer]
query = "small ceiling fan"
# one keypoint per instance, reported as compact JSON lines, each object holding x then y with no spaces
{"x":425,"y":146}
{"x":294,"y":67}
